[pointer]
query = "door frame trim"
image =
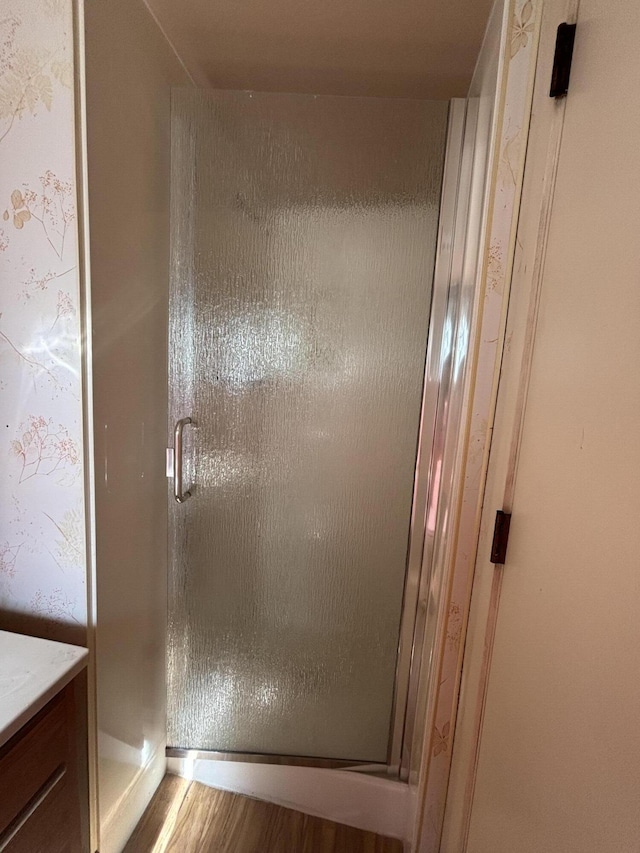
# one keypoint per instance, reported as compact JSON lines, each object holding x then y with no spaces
{"x":538,"y":175}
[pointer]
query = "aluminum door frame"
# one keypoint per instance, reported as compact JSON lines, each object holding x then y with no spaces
{"x":440,"y":393}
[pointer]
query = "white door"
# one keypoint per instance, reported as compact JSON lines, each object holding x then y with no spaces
{"x":559,"y":766}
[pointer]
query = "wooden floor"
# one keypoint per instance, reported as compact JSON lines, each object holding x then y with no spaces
{"x":187,"y":817}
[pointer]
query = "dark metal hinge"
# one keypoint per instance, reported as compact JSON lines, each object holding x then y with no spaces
{"x":565,"y":39}
{"x":500,"y":538}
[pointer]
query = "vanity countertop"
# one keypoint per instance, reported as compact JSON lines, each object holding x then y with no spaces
{"x":32,"y":671}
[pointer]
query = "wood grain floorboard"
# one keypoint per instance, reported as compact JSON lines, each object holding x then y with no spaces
{"x":187,"y":817}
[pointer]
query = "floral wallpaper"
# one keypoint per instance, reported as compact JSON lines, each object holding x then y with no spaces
{"x":42,"y":544}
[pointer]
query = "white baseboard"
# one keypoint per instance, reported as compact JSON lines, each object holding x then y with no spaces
{"x":117,"y":826}
{"x":356,"y":799}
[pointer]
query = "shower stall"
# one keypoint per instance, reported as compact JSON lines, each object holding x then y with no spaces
{"x":320,"y":264}
{"x":311,"y":353}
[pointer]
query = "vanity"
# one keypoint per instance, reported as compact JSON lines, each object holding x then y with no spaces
{"x":43,"y":752}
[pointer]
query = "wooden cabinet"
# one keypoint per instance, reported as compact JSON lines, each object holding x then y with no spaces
{"x":42,"y":795}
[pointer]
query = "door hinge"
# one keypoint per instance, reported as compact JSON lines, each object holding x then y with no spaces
{"x":500,"y":538}
{"x":565,"y":38}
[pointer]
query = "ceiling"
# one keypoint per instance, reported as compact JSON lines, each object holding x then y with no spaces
{"x":384,"y":48}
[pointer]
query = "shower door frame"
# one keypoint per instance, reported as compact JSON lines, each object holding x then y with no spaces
{"x":411,"y":673}
{"x":416,"y":645}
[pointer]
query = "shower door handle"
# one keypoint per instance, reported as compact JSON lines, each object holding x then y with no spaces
{"x":178,"y":494}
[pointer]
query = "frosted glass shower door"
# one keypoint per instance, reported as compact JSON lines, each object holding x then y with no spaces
{"x":303,"y":241}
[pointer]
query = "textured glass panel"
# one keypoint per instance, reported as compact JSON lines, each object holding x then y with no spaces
{"x":303,"y":241}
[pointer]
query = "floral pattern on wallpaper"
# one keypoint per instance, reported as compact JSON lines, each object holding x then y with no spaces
{"x":42,"y":545}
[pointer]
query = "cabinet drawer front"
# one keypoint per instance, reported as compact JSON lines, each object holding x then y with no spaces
{"x":32,"y":757}
{"x":44,"y":828}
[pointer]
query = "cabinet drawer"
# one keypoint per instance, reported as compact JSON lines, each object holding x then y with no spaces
{"x":32,"y":757}
{"x":44,"y":825}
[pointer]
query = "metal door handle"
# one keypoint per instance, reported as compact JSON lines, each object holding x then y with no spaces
{"x":178,"y":494}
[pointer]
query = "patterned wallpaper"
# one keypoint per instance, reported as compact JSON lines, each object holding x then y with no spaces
{"x":42,"y":545}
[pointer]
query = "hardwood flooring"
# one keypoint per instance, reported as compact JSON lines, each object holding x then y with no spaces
{"x":187,"y":817}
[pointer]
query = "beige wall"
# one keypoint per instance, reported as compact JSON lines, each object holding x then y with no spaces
{"x":129,"y":71}
{"x":559,"y":765}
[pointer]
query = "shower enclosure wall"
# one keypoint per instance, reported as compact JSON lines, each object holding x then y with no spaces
{"x":304,"y":237}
